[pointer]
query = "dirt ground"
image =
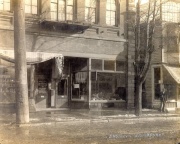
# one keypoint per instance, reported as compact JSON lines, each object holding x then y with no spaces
{"x":161,"y":131}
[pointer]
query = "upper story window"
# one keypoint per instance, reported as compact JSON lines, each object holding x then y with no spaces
{"x":111,"y":12}
{"x":62,"y":10}
{"x":31,"y":6}
{"x":90,"y":11}
{"x":171,"y":12}
{"x":5,"y":5}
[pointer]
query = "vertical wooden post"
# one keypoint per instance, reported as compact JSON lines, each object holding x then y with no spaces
{"x":32,"y":79}
{"x":89,"y":81}
{"x":32,"y":107}
{"x":22,"y":106}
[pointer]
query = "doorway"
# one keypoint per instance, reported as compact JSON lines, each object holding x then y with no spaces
{"x":62,"y":94}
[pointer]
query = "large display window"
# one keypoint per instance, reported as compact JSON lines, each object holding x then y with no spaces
{"x":107,"y":86}
{"x":79,"y":86}
{"x":79,"y":79}
{"x":107,"y":80}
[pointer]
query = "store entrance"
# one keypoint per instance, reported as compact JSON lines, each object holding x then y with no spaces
{"x":62,"y":94}
{"x":42,"y":78}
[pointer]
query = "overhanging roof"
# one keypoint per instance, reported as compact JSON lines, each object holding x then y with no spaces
{"x":31,"y":57}
{"x":174,"y":71}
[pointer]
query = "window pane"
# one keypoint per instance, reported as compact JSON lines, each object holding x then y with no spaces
{"x":113,"y":7}
{"x":1,"y":6}
{"x":27,"y":2}
{"x":54,"y":1}
{"x":108,"y":65}
{"x":34,"y":9}
{"x":62,"y":3}
{"x":87,"y":3}
{"x":108,"y":6}
{"x":7,"y":6}
{"x":110,"y":12}
{"x":90,"y":11}
{"x":69,"y":2}
{"x":93,"y":18}
{"x":108,"y":22}
{"x":69,"y":15}
{"x":53,"y":7}
{"x":31,"y":6}
{"x":69,"y":9}
{"x":27,"y":9}
{"x":61,"y":16}
{"x":53,"y":15}
{"x":93,"y":3}
{"x":34,"y":2}
{"x":79,"y":87}
{"x":61,"y":10}
{"x":107,"y":86}
{"x":86,"y":14}
{"x":112,"y":22}
{"x":96,"y":64}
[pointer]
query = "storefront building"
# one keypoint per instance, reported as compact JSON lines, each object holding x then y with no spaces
{"x":81,"y":52}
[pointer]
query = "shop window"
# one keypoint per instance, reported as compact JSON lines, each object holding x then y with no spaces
{"x":31,"y":6}
{"x":96,"y":64}
{"x":90,"y":11}
{"x":111,"y":12}
{"x":5,"y":5}
{"x":157,"y":79}
{"x":62,"y":10}
{"x":109,"y":65}
{"x":107,"y":86}
{"x":79,"y":86}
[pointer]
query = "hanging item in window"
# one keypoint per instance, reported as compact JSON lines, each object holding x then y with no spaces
{"x":81,"y":77}
{"x":58,"y":66}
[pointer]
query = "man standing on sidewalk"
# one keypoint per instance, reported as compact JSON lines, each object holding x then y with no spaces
{"x":163,"y":99}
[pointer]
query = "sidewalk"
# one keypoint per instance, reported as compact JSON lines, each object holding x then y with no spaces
{"x":49,"y":116}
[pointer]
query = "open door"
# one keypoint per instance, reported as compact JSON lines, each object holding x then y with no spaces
{"x":62,"y":94}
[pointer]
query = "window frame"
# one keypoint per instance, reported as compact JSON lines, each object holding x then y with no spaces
{"x":111,"y":10}
{"x":65,"y":13}
{"x":90,"y":9}
{"x":3,"y":5}
{"x":103,"y":61}
{"x":117,"y":14}
{"x":31,"y":7}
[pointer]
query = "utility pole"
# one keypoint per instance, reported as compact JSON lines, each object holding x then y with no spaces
{"x":22,"y":106}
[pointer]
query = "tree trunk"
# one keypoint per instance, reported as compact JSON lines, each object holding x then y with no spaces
{"x":22,"y":106}
{"x":138,"y":99}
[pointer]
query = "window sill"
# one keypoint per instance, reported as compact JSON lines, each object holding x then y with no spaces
{"x":80,"y":100}
{"x":6,"y":13}
{"x":31,"y":15}
{"x":107,"y":101}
